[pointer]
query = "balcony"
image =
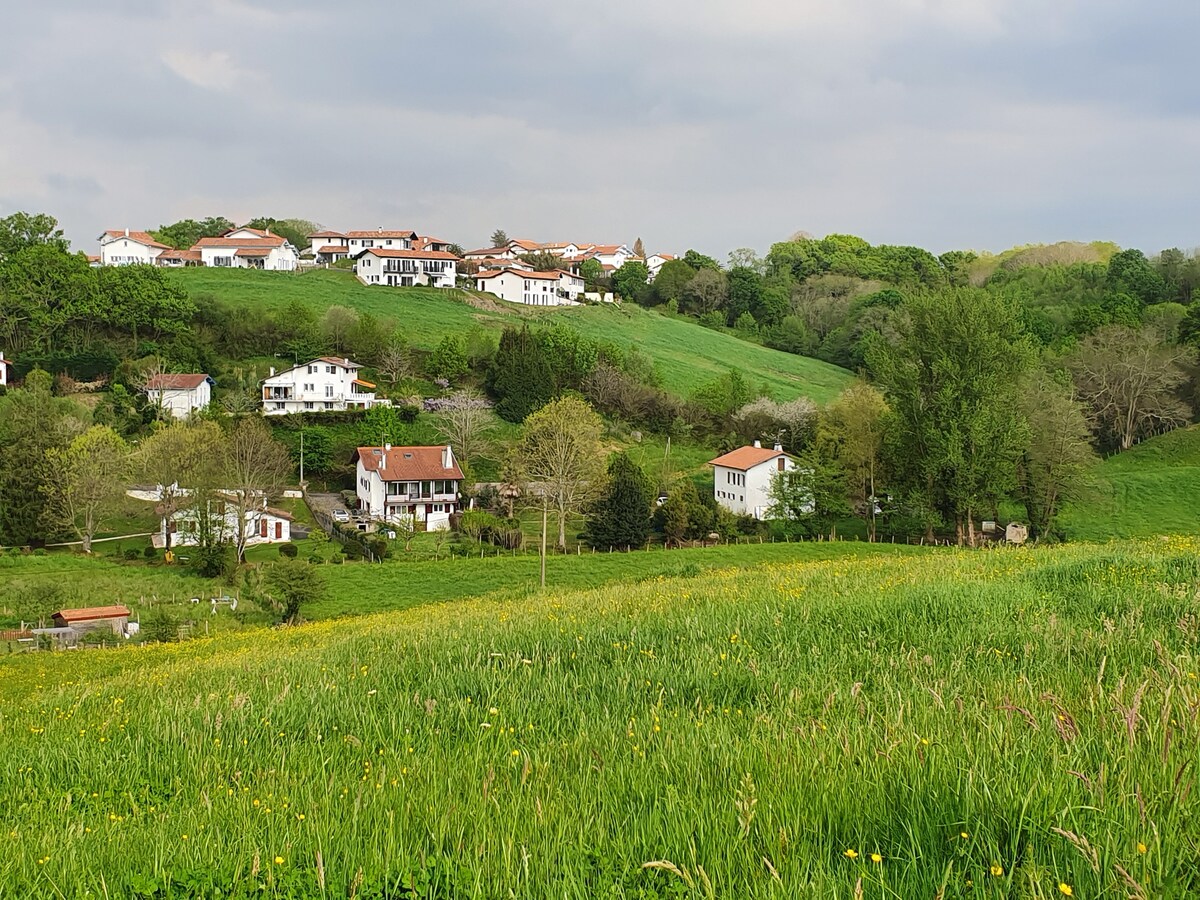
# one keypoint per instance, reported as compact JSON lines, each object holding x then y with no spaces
{"x":278,"y":393}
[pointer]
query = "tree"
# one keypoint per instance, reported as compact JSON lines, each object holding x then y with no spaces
{"x":591,"y":270}
{"x":499,"y":238}
{"x":746,"y":258}
{"x":395,"y":362}
{"x":186,"y":232}
{"x":857,"y":423}
{"x":1130,"y":382}
{"x":32,"y":423}
{"x":560,"y":444}
{"x":620,"y":517}
{"x":181,"y":460}
{"x":449,"y":359}
{"x":85,"y":481}
{"x":706,"y":292}
{"x":466,"y":414}
{"x":456,"y":249}
{"x":630,"y":281}
{"x":812,"y":495}
{"x":337,"y":325}
{"x":1053,"y":469}
{"x":672,"y":517}
{"x":639,"y":249}
{"x":951,"y":380}
{"x":672,"y":278}
{"x":697,"y":261}
{"x":143,"y":300}
{"x":1130,"y":272}
{"x":255,"y":468}
{"x":295,"y":583}
{"x":148,"y":371}
{"x":294,"y":231}
{"x":381,"y":425}
{"x":542,"y":260}
{"x":520,"y":378}
{"x":22,"y":230}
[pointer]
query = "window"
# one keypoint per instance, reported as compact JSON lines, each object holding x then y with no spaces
{"x":309,"y":388}
{"x":329,"y":406}
{"x":329,"y":390}
{"x":312,"y":370}
{"x":413,"y":489}
{"x":388,"y":242}
{"x":309,"y":404}
{"x":331,"y":370}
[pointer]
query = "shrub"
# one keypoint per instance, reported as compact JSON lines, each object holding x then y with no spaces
{"x":150,"y":552}
{"x":289,"y":550}
{"x":131,"y":553}
{"x":160,"y":625}
{"x":352,"y":550}
{"x":379,"y":546}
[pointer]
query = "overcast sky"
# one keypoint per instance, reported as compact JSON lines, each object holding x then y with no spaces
{"x":690,"y":123}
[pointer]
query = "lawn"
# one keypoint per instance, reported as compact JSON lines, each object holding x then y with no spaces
{"x":1154,"y":488}
{"x":991,"y":724}
{"x":686,"y":353}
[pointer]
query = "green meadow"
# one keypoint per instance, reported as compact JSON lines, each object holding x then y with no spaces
{"x":987,"y":724}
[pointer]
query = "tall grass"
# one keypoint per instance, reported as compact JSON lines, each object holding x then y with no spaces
{"x":991,"y":724}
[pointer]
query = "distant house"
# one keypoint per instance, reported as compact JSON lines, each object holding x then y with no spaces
{"x":328,"y":246}
{"x":420,"y":483}
{"x":614,"y":255}
{"x":128,"y":248}
{"x":4,"y":364}
{"x":247,"y":248}
{"x":323,"y":384}
{"x":176,"y":259}
{"x":180,"y":395}
{"x":400,"y":239}
{"x":264,"y":525}
{"x":742,"y":478}
{"x":656,"y":261}
{"x":95,"y":618}
{"x":396,"y":267}
{"x":488,"y":254}
{"x":556,"y":288}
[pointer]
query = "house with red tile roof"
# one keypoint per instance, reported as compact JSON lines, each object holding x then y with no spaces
{"x":742,"y":478}
{"x":557,"y":288}
{"x":247,"y":248}
{"x":656,"y":261}
{"x":417,"y":483}
{"x":325,"y":384}
{"x":123,"y":247}
{"x":395,"y":267}
{"x":179,"y":395}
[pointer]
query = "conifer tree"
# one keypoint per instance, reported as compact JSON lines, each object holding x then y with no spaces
{"x":621,"y":517}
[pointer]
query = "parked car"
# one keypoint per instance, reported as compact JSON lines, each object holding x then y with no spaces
{"x":340,"y":515}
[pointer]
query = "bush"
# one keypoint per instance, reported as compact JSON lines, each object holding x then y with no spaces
{"x":131,"y":553}
{"x":315,"y":558}
{"x":150,"y":552}
{"x":289,"y":550}
{"x":352,"y":550}
{"x":379,"y":546}
{"x":160,"y":625}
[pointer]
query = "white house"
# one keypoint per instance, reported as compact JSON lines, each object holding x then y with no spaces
{"x":656,"y":261}
{"x":248,"y":248}
{"x":531,"y":288}
{"x":180,"y":395}
{"x":4,"y":364}
{"x":614,"y":255}
{"x":406,"y":268}
{"x":125,"y":248}
{"x":179,"y":258}
{"x":264,"y":525}
{"x":742,"y":478}
{"x":400,"y":482}
{"x":319,"y":385}
{"x":486,"y":254}
{"x":358,"y":241}
{"x":328,"y":246}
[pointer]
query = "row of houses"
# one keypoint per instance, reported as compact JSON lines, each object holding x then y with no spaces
{"x":241,"y":248}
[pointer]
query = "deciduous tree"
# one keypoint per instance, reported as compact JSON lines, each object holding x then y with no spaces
{"x":85,"y":481}
{"x":21,"y":230}
{"x":856,"y":422}
{"x":294,"y":583}
{"x":255,"y":468}
{"x":465,"y":417}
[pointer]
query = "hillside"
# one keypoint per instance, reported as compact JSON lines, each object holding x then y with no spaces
{"x":916,"y":726}
{"x":686,"y":353}
{"x":1151,"y":489}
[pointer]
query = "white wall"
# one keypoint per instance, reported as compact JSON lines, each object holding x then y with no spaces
{"x":747,"y":493}
{"x":316,"y":391}
{"x":180,"y":403}
{"x":125,"y":251}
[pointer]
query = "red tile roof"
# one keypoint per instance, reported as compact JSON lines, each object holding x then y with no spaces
{"x":407,"y":463}
{"x":393,"y":253}
{"x":545,"y":276}
{"x":326,"y":234}
{"x":381,"y":234}
{"x":746,"y":458}
{"x":186,"y":255}
{"x":186,"y":382}
{"x":142,"y":237}
{"x":253,"y":251}
{"x":334,"y":248}
{"x":488,"y":252}
{"x":272,"y":241}
{"x":525,"y":244}
{"x":343,"y":362}
{"x":92,"y":613}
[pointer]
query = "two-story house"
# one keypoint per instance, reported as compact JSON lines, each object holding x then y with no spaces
{"x":248,"y":248}
{"x":418,"y":483}
{"x":328,"y":246}
{"x":742,"y":478}
{"x":320,"y":385}
{"x":531,"y":288}
{"x":126,"y":248}
{"x":655,"y":261}
{"x":179,"y":395}
{"x":358,"y":241}
{"x":406,"y":268}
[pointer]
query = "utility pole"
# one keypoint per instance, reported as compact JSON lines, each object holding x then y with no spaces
{"x":544,"y":511}
{"x":302,"y":457}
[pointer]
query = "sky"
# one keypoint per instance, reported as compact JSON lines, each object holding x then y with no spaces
{"x":946,"y":124}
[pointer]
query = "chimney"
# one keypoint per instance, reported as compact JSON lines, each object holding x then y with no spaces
{"x":272,"y":372}
{"x":387,"y":447}
{"x":381,"y":229}
{"x":778,"y":447}
{"x":447,"y":456}
{"x":758,"y":445}
{"x":126,"y":232}
{"x":346,"y":361}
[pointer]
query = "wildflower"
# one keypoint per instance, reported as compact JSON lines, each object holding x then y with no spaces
{"x":279,"y":860}
{"x":851,"y":854}
{"x":1066,"y":889}
{"x":876,"y":858}
{"x":1141,"y":847}
{"x":997,"y":869}
{"x":300,"y":816}
{"x":516,"y":753}
{"x":963,"y":835}
{"x":183,"y":837}
{"x":492,"y":711}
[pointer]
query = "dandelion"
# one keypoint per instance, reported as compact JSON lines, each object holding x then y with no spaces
{"x":279,"y":860}
{"x":997,"y":869}
{"x":516,"y":753}
{"x":876,"y":858}
{"x":851,"y":854}
{"x":1066,"y":889}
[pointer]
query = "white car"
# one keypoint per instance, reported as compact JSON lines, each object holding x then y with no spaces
{"x":340,"y":515}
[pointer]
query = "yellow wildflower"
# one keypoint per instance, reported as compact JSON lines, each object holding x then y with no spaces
{"x":279,"y":860}
{"x":997,"y":869}
{"x":1141,"y":847}
{"x":876,"y":858}
{"x":851,"y":854}
{"x":1066,"y":889}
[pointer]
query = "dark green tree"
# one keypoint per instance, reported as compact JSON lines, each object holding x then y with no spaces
{"x":670,"y":282}
{"x":591,"y":271}
{"x":520,"y":379}
{"x":294,"y":583}
{"x":499,"y":238}
{"x":697,"y":261}
{"x":22,"y":230}
{"x":184,"y":233}
{"x":620,"y":518}
{"x":449,"y":359}
{"x":631,"y":281}
{"x":1130,"y":272}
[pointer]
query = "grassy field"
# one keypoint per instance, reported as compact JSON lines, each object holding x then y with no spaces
{"x":686,"y":353}
{"x":1151,"y":489}
{"x":1016,"y":724}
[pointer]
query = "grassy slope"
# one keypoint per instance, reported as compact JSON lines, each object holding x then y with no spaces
{"x":1152,"y":489}
{"x":947,"y":712}
{"x":686,"y":353}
